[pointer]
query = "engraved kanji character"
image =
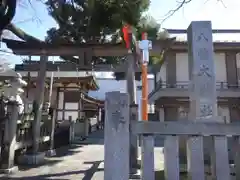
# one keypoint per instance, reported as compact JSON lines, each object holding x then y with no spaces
{"x":204,"y":71}
{"x":202,"y":37}
{"x":206,"y":110}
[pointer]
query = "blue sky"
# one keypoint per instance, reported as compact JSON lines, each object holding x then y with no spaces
{"x":222,"y":16}
{"x":214,"y":10}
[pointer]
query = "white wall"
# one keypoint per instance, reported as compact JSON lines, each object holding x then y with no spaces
{"x":71,"y":105}
{"x":238,"y":65}
{"x":182,"y":67}
{"x":183,"y":72}
{"x":220,"y":67}
{"x":60,"y":100}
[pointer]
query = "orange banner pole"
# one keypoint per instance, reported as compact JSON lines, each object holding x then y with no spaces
{"x":144,"y":86}
{"x":144,"y":93}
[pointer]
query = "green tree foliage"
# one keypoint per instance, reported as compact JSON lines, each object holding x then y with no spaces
{"x":88,"y":21}
{"x":98,"y":21}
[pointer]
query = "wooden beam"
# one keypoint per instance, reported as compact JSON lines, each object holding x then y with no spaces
{"x":105,"y":50}
{"x":72,"y":67}
{"x":186,"y":128}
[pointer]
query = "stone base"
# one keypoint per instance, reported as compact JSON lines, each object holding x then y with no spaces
{"x":32,"y":159}
{"x":136,"y":175}
{"x":139,"y":162}
{"x":12,"y":170}
{"x":51,"y":153}
{"x":183,"y":168}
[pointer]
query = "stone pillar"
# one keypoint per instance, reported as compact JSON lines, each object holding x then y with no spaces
{"x":99,"y":115}
{"x":203,"y":102}
{"x":171,"y":148}
{"x":71,"y":129}
{"x":116,"y":133}
{"x":8,"y":150}
{"x":80,"y":106}
{"x":134,"y":141}
{"x":51,"y":152}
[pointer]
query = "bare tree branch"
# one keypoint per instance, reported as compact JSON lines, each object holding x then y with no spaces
{"x":173,"y":11}
{"x":21,"y":34}
{"x":180,"y":5}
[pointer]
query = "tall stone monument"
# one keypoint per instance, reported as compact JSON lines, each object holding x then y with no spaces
{"x":203,"y":101}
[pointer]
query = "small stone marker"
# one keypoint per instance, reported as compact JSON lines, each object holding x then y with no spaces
{"x":116,"y":136}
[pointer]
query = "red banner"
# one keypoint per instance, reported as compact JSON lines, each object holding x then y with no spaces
{"x":126,"y":30}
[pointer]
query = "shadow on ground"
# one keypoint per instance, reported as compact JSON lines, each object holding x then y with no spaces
{"x":61,"y":152}
{"x":96,"y":137}
{"x":88,"y":174}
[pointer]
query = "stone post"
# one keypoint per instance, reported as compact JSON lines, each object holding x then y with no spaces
{"x":203,"y":102}
{"x":116,"y":133}
{"x":71,"y":129}
{"x":99,"y":118}
{"x":8,"y":151}
{"x":134,"y":141}
{"x":51,"y":152}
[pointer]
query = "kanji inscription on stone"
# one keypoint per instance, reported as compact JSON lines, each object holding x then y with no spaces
{"x":206,"y":110}
{"x":117,"y":116}
{"x":202,"y":37}
{"x":204,"y":71}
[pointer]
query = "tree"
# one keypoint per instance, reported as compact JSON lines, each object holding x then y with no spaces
{"x":96,"y":21}
{"x":93,"y":21}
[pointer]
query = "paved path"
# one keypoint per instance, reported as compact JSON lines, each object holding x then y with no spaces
{"x":80,"y":161}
